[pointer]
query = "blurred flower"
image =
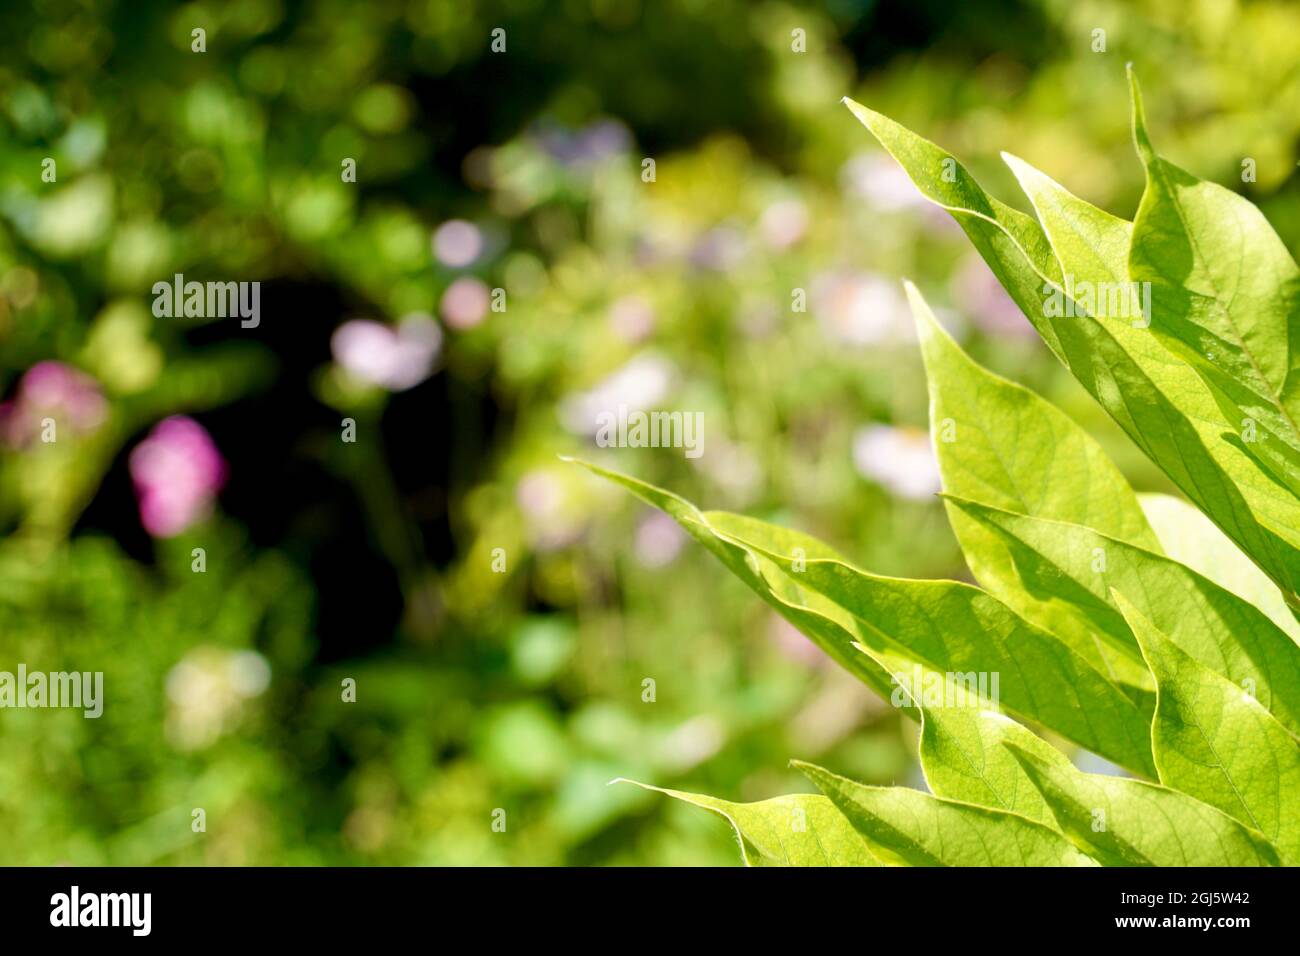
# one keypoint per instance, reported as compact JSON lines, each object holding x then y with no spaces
{"x":465,"y":303}
{"x":392,"y":358}
{"x":585,"y":147}
{"x":640,"y":385}
{"x":792,"y":643}
{"x":861,"y":308}
{"x":720,"y":249}
{"x":52,"y":390}
{"x":457,"y":243}
{"x":691,"y":743}
{"x":550,"y":516}
{"x":207,"y":692}
{"x":632,"y":318}
{"x":784,"y":223}
{"x":879,"y":180}
{"x":758,"y":317}
{"x":177,"y":472}
{"x":976,"y":289}
{"x":658,"y":540}
{"x":900,"y":459}
{"x":734,"y":469}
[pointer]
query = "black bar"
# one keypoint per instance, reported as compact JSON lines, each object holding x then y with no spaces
{"x":616,"y":906}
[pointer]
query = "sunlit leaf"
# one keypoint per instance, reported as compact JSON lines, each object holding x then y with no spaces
{"x":1123,"y":822}
{"x":1214,"y":741}
{"x":1190,"y":538}
{"x":953,"y":627}
{"x":799,"y":829}
{"x":1226,"y":298}
{"x":921,"y":830}
{"x":962,"y":747}
{"x":1074,"y":570}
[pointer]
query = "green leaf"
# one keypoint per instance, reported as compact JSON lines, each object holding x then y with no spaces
{"x":816,"y":618}
{"x":916,"y":829}
{"x":1123,"y":822}
{"x":1169,"y":410}
{"x":1227,"y":294}
{"x":1010,"y":242}
{"x":1214,"y":741}
{"x":1089,"y":243}
{"x":1074,"y":570}
{"x":1161,"y":402}
{"x":799,"y":829}
{"x":1011,"y":449}
{"x":1190,"y":538}
{"x":1001,"y":444}
{"x":956,"y":628}
{"x":962,"y":747}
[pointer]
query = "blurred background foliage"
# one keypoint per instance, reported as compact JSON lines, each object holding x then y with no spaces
{"x":517,"y":171}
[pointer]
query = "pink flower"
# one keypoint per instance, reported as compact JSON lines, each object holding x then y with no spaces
{"x":177,"y":472}
{"x":465,"y":303}
{"x":658,"y":540}
{"x":52,"y":390}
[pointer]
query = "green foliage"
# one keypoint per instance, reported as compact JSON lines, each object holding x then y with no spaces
{"x":1213,"y":740}
{"x":374,"y":561}
{"x":801,"y":829}
{"x":915,"y":829}
{"x":1130,"y":626}
{"x":1121,"y":822}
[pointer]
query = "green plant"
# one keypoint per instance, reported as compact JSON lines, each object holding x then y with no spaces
{"x":1156,"y":634}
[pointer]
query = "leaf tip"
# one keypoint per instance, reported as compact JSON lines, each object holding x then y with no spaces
{"x":1139,"y":118}
{"x":867,"y":117}
{"x":1017,"y":165}
{"x":921,"y":312}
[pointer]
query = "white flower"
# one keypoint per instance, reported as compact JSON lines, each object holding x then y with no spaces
{"x":861,"y":308}
{"x":879,"y":180}
{"x":207,"y":692}
{"x":640,"y":384}
{"x":734,"y":469}
{"x":457,"y":243}
{"x":392,"y":358}
{"x":900,"y":459}
{"x":783,"y":223}
{"x":553,"y":520}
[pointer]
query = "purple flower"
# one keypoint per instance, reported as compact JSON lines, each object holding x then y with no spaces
{"x":177,"y":472}
{"x":583,"y":148}
{"x":55,"y":390}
